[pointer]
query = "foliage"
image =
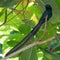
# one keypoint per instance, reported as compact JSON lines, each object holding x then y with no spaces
{"x":20,"y":21}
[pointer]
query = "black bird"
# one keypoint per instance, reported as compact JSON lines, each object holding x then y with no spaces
{"x":47,"y":12}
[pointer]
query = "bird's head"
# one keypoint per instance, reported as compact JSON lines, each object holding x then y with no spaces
{"x":48,"y":7}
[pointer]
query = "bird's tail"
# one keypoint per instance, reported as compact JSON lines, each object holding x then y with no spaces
{"x":26,"y":39}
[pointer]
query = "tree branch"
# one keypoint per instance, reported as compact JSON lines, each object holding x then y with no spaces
{"x":29,"y":46}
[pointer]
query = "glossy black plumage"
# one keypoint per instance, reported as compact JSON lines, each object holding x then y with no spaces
{"x":47,"y":12}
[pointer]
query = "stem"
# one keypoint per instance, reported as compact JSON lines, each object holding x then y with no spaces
{"x":29,"y":46}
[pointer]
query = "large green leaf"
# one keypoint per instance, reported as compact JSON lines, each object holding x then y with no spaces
{"x":29,"y":54}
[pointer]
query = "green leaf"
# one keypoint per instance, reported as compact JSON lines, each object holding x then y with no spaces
{"x":58,"y":3}
{"x":29,"y":54}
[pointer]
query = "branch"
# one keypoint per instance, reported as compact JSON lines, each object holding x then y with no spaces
{"x":19,"y":11}
{"x":44,"y":34}
{"x":29,"y":46}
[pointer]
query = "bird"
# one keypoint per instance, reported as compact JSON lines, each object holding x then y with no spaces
{"x":48,"y":13}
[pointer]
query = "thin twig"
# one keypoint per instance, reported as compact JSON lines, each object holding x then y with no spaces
{"x":19,"y":12}
{"x":14,"y":8}
{"x":29,"y":46}
{"x":44,"y":28}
